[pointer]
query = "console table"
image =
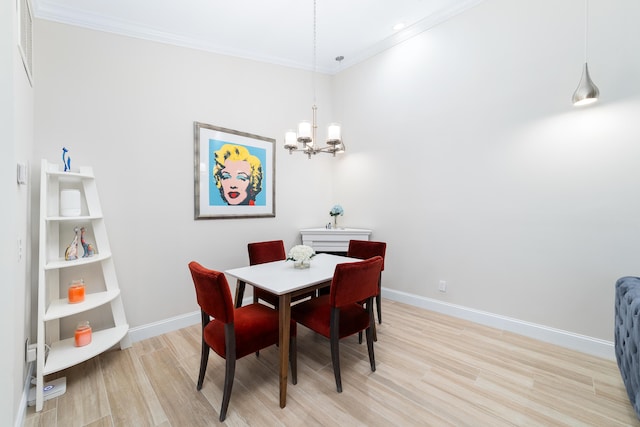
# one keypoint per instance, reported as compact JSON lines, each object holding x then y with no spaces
{"x":332,"y":239}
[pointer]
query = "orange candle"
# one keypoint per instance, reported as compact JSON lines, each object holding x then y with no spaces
{"x":76,"y":292}
{"x":83,"y":334}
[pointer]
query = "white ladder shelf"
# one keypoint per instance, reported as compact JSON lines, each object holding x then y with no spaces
{"x":54,"y":353}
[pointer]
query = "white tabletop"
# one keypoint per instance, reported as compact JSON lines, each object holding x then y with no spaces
{"x":280,"y":277}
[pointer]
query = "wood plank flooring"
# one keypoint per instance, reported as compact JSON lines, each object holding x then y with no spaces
{"x":432,"y":370}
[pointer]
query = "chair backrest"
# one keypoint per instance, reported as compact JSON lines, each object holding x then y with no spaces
{"x":261,"y":252}
{"x":355,"y":281}
{"x":212,"y":292}
{"x":365,"y":249}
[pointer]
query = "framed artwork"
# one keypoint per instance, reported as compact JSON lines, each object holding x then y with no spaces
{"x":234,"y":174}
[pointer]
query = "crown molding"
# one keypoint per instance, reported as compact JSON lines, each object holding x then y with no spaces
{"x":48,"y":10}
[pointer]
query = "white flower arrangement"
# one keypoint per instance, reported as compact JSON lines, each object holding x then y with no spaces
{"x":301,"y":253}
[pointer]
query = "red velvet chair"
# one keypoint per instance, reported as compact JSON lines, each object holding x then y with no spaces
{"x":269,"y":251}
{"x":364,"y":249}
{"x":260,"y":253}
{"x":233,"y":332}
{"x":340,"y":314}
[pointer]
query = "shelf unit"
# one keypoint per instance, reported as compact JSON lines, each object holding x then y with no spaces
{"x":54,"y":353}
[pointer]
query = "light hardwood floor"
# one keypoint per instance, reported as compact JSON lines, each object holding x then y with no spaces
{"x":431,"y":370}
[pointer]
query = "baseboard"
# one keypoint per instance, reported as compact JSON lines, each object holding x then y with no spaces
{"x":154,"y":329}
{"x":582,"y":343}
{"x":22,"y":408}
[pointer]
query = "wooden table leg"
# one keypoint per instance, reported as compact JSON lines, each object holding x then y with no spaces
{"x":284,"y":314}
{"x":240,"y":285}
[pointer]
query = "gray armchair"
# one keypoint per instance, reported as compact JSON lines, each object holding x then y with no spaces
{"x":627,"y":336}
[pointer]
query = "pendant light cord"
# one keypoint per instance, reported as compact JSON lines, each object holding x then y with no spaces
{"x":586,"y":29}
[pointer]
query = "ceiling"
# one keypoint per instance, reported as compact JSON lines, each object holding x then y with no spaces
{"x":274,"y":31}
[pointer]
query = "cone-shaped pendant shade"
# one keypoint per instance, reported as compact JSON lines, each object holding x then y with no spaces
{"x":587,"y":92}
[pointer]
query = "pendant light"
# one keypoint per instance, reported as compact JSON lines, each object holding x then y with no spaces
{"x":586,"y":92}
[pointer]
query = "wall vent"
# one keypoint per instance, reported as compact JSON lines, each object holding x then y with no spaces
{"x":25,"y":45}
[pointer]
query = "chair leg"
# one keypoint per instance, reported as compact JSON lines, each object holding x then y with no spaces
{"x":372,"y":358}
{"x":230,"y":370}
{"x":335,"y":346}
{"x":255,"y":301}
{"x":375,"y":333}
{"x":230,"y":367}
{"x":379,"y":300}
{"x":370,"y":334}
{"x":293,"y":360}
{"x":204,"y":358}
{"x":240,"y":285}
{"x":204,"y":353}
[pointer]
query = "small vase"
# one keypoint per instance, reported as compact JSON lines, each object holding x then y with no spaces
{"x":303,"y":263}
{"x":335,"y":221}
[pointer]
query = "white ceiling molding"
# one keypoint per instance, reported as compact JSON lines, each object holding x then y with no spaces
{"x":118,"y":17}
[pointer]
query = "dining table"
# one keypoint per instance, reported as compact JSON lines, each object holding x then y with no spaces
{"x":284,"y":280}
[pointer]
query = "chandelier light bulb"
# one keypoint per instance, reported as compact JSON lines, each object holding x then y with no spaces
{"x":333,"y":134}
{"x":290,"y":139}
{"x":304,"y":132}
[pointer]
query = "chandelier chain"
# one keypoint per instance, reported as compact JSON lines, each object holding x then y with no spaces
{"x":314,"y":50}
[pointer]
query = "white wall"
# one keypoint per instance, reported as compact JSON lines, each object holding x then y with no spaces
{"x":467,"y":157}
{"x":8,"y":315}
{"x":464,"y":154}
{"x":127,"y":107}
{"x":16,"y":134}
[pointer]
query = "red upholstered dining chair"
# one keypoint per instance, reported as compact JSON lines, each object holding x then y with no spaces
{"x":269,"y":251}
{"x":233,"y":332}
{"x":365,"y":249}
{"x":340,"y":314}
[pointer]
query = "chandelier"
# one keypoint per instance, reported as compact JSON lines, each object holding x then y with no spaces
{"x":304,"y":140}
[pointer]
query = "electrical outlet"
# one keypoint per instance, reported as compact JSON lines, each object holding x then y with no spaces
{"x":442,"y":286}
{"x":21,"y":173}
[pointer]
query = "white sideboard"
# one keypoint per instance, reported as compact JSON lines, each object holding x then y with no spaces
{"x":332,"y":239}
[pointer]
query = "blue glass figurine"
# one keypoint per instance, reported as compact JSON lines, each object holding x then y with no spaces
{"x":66,"y":162}
{"x":72,"y":250}
{"x":86,"y":247}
